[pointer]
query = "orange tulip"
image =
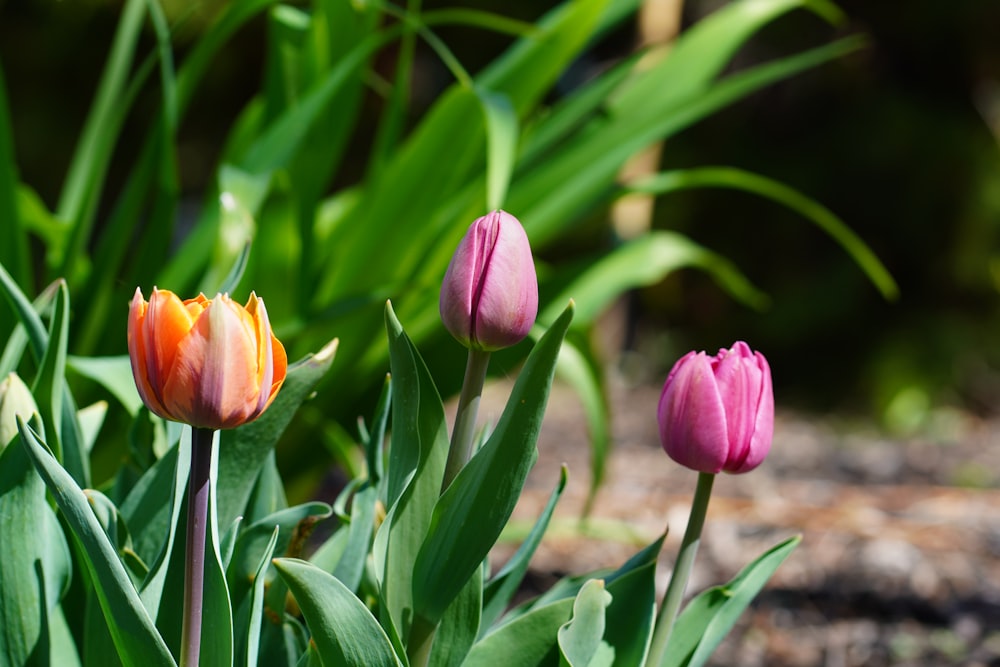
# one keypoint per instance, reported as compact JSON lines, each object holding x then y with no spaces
{"x":210,"y":363}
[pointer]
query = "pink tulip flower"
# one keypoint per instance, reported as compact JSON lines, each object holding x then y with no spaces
{"x":489,"y":297}
{"x":717,"y":413}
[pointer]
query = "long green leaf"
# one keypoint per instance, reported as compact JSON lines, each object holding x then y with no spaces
{"x":79,"y":196}
{"x":473,"y":510}
{"x":417,"y":455}
{"x":257,"y":601}
{"x":345,"y":632}
{"x":36,"y":560}
{"x":738,"y":179}
{"x":135,"y":637}
{"x":707,"y":619}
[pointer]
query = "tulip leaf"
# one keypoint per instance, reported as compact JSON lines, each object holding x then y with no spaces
{"x":135,"y":637}
{"x":501,"y":135}
{"x":708,"y":617}
{"x":114,"y":374}
{"x":472,"y":512}
{"x":36,"y":560}
{"x":580,"y":639}
{"x":675,"y":94}
{"x":244,"y":450}
{"x":257,"y":601}
{"x":645,"y":261}
{"x":527,"y":641}
{"x":351,"y":564}
{"x":343,"y":629}
{"x":501,"y":588}
{"x":738,"y":179}
{"x":417,"y":455}
{"x":460,"y":625}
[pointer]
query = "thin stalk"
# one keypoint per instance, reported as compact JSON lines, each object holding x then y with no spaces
{"x":464,"y":432}
{"x":197,"y":522}
{"x":682,"y":569}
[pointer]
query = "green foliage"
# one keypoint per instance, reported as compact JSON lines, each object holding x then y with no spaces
{"x":402,"y":579}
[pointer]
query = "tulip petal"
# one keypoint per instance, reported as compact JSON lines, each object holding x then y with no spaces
{"x":692,"y":417}
{"x":137,"y":355}
{"x":213,"y":381}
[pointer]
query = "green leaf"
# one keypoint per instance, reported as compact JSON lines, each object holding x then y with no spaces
{"x":112,"y":373}
{"x":244,"y":450}
{"x":55,"y":404}
{"x":501,"y":588}
{"x":642,"y":262}
{"x":417,"y":455}
{"x":135,"y":637}
{"x":351,"y":565}
{"x":708,"y":617}
{"x":527,"y":641}
{"x":580,"y":639}
{"x":257,"y":601}
{"x":36,"y":561}
{"x":345,"y":632}
{"x":474,"y":509}
{"x":88,"y":168}
{"x":501,"y":136}
{"x":738,"y":179}
{"x":459,"y":626}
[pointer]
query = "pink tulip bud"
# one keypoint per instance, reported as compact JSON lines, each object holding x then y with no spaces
{"x":489,"y":297}
{"x":717,"y":413}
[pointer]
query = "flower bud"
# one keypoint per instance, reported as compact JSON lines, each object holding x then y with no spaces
{"x":717,"y":413}
{"x":15,"y":401}
{"x":210,"y":363}
{"x":489,"y":297}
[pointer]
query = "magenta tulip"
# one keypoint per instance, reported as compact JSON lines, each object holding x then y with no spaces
{"x":489,"y":297}
{"x":717,"y":413}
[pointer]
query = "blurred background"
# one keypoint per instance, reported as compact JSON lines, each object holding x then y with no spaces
{"x":899,"y":140}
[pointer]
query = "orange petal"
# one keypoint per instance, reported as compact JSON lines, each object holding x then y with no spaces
{"x":137,"y":355}
{"x":213,"y":382}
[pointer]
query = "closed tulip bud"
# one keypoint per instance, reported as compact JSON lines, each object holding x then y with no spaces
{"x":15,"y":401}
{"x":717,"y":413}
{"x":489,"y":297}
{"x":210,"y":363}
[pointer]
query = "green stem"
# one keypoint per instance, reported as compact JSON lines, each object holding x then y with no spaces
{"x":682,"y":569}
{"x":199,"y":485}
{"x":464,"y":432}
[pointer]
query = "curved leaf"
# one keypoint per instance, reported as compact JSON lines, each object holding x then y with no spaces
{"x":134,"y":635}
{"x":472,"y":512}
{"x":344,"y":631}
{"x":738,"y":179}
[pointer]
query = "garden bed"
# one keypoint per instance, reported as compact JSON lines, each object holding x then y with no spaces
{"x":900,"y":558}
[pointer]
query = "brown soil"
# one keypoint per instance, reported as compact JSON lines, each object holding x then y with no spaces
{"x":900,"y":558}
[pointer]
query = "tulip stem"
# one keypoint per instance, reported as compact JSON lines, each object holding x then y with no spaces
{"x":464,"y":432}
{"x":199,"y":484}
{"x":682,"y":569}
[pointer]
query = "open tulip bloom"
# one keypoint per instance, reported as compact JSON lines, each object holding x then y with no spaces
{"x":212,"y":364}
